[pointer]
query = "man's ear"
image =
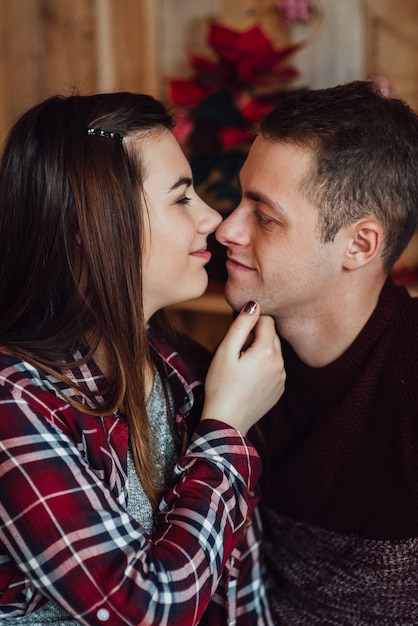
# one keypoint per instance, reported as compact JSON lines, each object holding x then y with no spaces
{"x":364,"y":244}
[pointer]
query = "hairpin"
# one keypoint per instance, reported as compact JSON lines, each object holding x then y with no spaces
{"x":107,"y":134}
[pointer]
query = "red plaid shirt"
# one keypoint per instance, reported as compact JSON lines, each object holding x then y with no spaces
{"x":65,"y":534}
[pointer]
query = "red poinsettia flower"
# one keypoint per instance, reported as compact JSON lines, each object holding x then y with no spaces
{"x":232,"y":136}
{"x":254,"y":110}
{"x":206,"y":69}
{"x":249,"y":54}
{"x":183,"y":127}
{"x":186,"y":92}
{"x":246,"y":60}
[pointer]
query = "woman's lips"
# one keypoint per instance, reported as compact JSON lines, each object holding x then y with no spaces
{"x":203,"y":253}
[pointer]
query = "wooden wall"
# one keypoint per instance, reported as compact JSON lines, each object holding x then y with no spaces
{"x":391,"y":38}
{"x":63,"y":46}
{"x":51,"y":46}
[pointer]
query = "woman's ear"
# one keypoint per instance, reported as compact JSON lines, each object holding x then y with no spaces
{"x":364,"y":244}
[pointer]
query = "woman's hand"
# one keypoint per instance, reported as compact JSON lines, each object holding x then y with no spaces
{"x":246,"y":377}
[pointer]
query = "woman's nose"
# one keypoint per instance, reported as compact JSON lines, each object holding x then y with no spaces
{"x":210,"y":219}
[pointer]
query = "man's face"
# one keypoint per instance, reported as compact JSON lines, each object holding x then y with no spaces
{"x":274,"y":251}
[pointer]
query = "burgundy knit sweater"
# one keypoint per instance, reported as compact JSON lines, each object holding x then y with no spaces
{"x":340,"y":480}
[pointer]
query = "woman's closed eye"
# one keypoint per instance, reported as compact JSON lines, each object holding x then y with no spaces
{"x":183,"y":200}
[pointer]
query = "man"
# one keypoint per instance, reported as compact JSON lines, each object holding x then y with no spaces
{"x":329,"y":202}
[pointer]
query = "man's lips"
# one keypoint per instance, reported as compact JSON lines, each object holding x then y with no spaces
{"x":234,"y":264}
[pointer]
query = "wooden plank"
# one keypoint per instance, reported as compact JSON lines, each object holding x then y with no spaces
{"x":133,"y":46}
{"x":20,"y":53}
{"x":392,"y":44}
{"x":392,"y":48}
{"x":68,"y":35}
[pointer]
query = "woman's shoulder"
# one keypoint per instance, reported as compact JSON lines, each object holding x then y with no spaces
{"x":25,"y":393}
{"x":21,"y":378}
{"x":22,"y":384}
{"x":14,"y":369}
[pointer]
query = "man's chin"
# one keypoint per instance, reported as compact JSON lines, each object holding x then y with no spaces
{"x":235,"y":299}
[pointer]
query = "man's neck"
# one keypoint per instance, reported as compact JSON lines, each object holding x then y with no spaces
{"x":323,"y":336}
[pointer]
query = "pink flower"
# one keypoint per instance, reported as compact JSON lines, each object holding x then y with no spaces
{"x":295,"y":10}
{"x":383,"y":84}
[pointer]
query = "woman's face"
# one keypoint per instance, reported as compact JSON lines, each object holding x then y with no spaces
{"x":177,"y":225}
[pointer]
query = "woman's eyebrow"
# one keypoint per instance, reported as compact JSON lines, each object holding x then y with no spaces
{"x":183,"y":180}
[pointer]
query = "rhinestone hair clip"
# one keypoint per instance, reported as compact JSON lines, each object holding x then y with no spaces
{"x":107,"y":134}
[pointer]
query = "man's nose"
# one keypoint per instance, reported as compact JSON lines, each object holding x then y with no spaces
{"x":232,"y":230}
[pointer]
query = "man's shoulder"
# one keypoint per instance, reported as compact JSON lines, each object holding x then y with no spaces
{"x":406,"y":318}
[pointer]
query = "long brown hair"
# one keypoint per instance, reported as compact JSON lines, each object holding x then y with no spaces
{"x":71,"y":206}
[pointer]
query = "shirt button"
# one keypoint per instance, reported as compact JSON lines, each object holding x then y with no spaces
{"x":103,"y":615}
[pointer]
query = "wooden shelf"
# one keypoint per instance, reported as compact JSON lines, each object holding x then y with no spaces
{"x":413,"y":290}
{"x":205,"y":319}
{"x":208,"y":303}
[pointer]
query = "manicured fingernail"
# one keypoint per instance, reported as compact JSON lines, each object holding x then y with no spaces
{"x":250,"y":307}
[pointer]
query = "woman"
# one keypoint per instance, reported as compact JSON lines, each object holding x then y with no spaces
{"x":100,"y":228}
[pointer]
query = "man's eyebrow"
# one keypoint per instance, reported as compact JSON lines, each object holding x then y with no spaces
{"x":262,"y":198}
{"x":183,"y":180}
